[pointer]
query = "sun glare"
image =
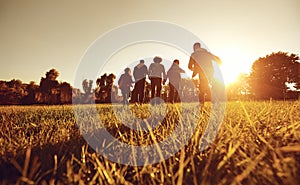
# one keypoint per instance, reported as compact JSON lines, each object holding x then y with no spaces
{"x":229,"y":73}
{"x":234,"y":62}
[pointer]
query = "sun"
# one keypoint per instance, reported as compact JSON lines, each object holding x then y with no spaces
{"x":230,"y":73}
{"x":234,"y":62}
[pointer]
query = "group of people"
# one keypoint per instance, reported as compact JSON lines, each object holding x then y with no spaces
{"x":200,"y":63}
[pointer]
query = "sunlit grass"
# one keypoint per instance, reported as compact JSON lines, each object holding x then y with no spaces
{"x":258,"y":143}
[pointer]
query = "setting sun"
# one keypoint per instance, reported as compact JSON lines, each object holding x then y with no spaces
{"x":234,"y":62}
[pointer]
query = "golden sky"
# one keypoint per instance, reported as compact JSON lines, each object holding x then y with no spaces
{"x":36,"y":36}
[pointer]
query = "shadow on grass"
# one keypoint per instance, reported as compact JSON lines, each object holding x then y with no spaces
{"x":41,"y":158}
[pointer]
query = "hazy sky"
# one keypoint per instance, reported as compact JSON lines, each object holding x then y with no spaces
{"x":36,"y":36}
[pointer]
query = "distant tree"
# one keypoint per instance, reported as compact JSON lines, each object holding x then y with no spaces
{"x":270,"y":75}
{"x":87,"y":96}
{"x":15,"y":84}
{"x":106,"y":91}
{"x":239,"y":89}
{"x":30,"y":93}
{"x":49,"y":83}
{"x":52,"y":74}
{"x":87,"y":86}
{"x":101,"y":89}
{"x":297,"y":83}
{"x":65,"y":90}
{"x":48,"y":92}
{"x":76,"y":95}
{"x":188,"y":89}
{"x":100,"y":82}
{"x":110,"y":88}
{"x":12,"y":92}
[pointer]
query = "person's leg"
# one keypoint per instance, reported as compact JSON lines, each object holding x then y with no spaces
{"x":171,"y":98}
{"x":159,"y":87}
{"x":176,"y":97}
{"x":141,"y":87}
{"x":124,"y":98}
{"x":207,"y":90}
{"x":134,"y":94}
{"x":153,"y":87}
{"x":142,"y":90}
{"x":203,"y":88}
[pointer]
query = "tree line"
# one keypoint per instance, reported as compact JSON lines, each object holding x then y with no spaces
{"x":51,"y":92}
{"x":275,"y":76}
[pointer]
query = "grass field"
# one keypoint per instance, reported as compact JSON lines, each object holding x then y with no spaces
{"x":258,"y":143}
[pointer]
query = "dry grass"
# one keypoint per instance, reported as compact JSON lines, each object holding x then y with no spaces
{"x":258,"y":143}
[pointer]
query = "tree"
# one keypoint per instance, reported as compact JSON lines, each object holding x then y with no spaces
{"x":31,"y":90}
{"x":106,"y":91}
{"x":52,"y":74}
{"x":87,"y":86}
{"x":49,"y":83}
{"x":239,"y":89}
{"x":188,"y":89}
{"x":48,"y":92}
{"x":65,"y":90}
{"x":12,"y":92}
{"x":88,"y":96}
{"x":271,"y":74}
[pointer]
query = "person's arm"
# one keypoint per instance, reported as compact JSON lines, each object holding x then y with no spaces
{"x":180,"y":70}
{"x":215,"y":58}
{"x":164,"y":75}
{"x":131,"y":81}
{"x":134,"y":72}
{"x":168,"y":74}
{"x":150,"y":70}
{"x":119,"y":81}
{"x":191,"y":64}
{"x":146,"y":72}
{"x":218,"y":60}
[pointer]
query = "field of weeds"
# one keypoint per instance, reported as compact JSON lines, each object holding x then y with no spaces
{"x":257,"y":143}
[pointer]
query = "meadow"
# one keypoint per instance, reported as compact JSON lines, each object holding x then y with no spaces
{"x":257,"y":143}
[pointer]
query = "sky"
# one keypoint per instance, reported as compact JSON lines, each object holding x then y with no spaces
{"x":36,"y":36}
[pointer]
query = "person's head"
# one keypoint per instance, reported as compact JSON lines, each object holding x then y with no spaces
{"x":127,"y":70}
{"x":176,"y":61}
{"x":142,"y":61}
{"x":196,"y":46}
{"x":157,"y":59}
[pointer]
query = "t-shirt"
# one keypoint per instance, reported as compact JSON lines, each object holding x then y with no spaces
{"x":157,"y":70}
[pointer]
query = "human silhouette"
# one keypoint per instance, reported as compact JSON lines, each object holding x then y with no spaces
{"x":157,"y":75}
{"x":139,"y":73}
{"x":174,"y":77}
{"x":125,"y":82}
{"x":201,"y":63}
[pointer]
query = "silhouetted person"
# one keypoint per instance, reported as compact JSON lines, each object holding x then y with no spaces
{"x":109,"y":87}
{"x":174,"y":79}
{"x":201,"y":62}
{"x":139,"y":73}
{"x":157,"y":75}
{"x":124,"y":83}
